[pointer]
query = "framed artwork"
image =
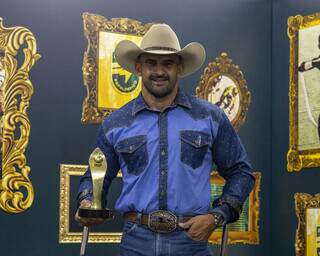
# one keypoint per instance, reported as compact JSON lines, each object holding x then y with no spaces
{"x":222,"y":83}
{"x":16,"y":89}
{"x":69,"y":229}
{"x":246,"y":229}
{"x":308,"y":231}
{"x":108,"y":85}
{"x":304,"y":92}
{"x":243,"y":231}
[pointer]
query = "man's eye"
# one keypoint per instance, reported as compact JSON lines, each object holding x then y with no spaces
{"x":168,"y":64}
{"x":149,"y":62}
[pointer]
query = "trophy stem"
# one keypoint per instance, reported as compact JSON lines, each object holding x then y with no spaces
{"x":98,"y":168}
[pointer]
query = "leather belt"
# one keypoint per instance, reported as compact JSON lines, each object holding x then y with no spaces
{"x":158,"y":221}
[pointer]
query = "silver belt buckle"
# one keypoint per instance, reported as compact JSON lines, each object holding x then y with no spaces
{"x":162,"y":221}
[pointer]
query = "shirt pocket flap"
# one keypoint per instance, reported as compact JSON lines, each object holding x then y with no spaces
{"x":131,"y":144}
{"x":195,"y":138}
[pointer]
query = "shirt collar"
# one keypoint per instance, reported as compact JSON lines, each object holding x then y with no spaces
{"x":181,"y":99}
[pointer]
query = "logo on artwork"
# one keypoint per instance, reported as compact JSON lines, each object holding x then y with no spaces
{"x":123,"y":80}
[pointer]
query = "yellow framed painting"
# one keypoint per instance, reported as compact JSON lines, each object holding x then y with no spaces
{"x":115,"y":86}
{"x":304,"y":92}
{"x":246,"y":229}
{"x":108,"y":85}
{"x":308,"y":231}
{"x":223,"y":83}
{"x":69,"y":229}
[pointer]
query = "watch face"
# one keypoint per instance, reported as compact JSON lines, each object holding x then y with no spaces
{"x":218,"y":219}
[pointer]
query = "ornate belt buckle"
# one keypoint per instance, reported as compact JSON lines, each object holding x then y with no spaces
{"x":162,"y":221}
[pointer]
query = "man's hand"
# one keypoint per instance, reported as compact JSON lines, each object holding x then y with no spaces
{"x":200,"y":227}
{"x":87,"y":221}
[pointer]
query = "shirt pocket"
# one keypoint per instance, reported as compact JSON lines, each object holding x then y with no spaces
{"x":194,"y":146}
{"x":134,"y":153}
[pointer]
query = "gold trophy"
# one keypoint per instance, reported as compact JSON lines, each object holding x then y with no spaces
{"x":98,"y":168}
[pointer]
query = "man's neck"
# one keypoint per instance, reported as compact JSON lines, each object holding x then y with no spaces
{"x":159,"y":103}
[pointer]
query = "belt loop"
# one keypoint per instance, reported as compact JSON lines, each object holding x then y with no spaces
{"x":139,"y":215}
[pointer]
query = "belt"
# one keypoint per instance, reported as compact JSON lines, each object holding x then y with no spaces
{"x":158,"y":221}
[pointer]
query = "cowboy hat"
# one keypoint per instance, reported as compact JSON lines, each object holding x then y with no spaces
{"x":160,"y":39}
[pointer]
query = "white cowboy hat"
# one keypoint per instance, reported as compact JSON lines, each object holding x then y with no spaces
{"x":160,"y":39}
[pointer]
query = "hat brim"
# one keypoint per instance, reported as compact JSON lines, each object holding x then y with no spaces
{"x":193,"y":55}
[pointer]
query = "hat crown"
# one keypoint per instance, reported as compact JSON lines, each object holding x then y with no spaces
{"x":160,"y":37}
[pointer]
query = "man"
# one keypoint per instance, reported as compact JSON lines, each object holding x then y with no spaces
{"x":165,"y":142}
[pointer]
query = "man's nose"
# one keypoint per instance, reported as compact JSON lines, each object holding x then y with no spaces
{"x":159,"y":69}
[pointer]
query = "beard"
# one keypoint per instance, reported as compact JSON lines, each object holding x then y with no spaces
{"x":159,"y":91}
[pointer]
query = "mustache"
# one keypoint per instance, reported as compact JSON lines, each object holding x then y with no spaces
{"x":155,"y":77}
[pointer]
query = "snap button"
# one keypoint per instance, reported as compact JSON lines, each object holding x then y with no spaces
{"x":198,"y":140}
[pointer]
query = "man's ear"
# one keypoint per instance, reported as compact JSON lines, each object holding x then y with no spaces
{"x":138,"y":67}
{"x":180,"y":68}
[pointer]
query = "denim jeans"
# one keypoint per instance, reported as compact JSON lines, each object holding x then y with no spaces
{"x":139,"y":240}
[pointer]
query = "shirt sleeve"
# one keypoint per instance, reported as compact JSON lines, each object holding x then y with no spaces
{"x":85,"y":188}
{"x":233,"y":165}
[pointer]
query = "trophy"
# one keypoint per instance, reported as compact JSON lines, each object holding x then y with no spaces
{"x":98,"y":168}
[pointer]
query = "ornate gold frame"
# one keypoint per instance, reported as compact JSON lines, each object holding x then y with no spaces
{"x":307,"y":158}
{"x":65,"y":236}
{"x":92,"y":24}
{"x":223,"y":66}
{"x":302,"y":202}
{"x":251,"y":236}
{"x":17,"y":91}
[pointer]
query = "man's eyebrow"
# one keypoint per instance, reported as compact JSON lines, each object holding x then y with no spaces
{"x":168,"y":60}
{"x":149,"y":59}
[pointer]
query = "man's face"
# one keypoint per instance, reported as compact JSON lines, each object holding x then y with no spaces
{"x":159,"y":73}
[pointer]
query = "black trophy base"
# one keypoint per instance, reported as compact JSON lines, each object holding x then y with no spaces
{"x":95,"y":213}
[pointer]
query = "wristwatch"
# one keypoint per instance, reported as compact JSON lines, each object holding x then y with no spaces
{"x":218,"y":219}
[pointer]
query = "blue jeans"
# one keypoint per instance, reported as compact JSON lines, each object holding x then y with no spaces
{"x":138,"y":240}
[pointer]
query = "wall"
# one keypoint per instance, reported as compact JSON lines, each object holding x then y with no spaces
{"x":242,"y":28}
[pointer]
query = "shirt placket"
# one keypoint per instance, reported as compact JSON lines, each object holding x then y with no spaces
{"x":163,"y":165}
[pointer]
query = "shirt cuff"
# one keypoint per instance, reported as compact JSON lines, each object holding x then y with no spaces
{"x":223,"y":210}
{"x":85,"y":194}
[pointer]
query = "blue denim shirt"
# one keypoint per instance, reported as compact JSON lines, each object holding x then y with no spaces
{"x":166,"y":158}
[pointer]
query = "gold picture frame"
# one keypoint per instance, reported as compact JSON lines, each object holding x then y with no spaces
{"x":16,"y":190}
{"x":95,"y":27}
{"x":251,"y":235}
{"x":304,"y":147}
{"x":308,"y":213}
{"x":65,"y":215}
{"x":223,"y":83}
{"x":67,"y":236}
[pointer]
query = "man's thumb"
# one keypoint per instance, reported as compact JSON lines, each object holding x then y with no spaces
{"x":186,"y":225}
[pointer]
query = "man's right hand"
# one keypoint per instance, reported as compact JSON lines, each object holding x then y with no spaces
{"x":87,"y":221}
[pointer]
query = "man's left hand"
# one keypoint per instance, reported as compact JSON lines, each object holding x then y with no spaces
{"x":200,"y":227}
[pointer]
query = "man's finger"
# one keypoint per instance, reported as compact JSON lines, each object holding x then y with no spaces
{"x":85,"y":203}
{"x":187,"y":224}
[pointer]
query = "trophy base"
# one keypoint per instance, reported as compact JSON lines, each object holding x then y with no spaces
{"x":95,"y":213}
